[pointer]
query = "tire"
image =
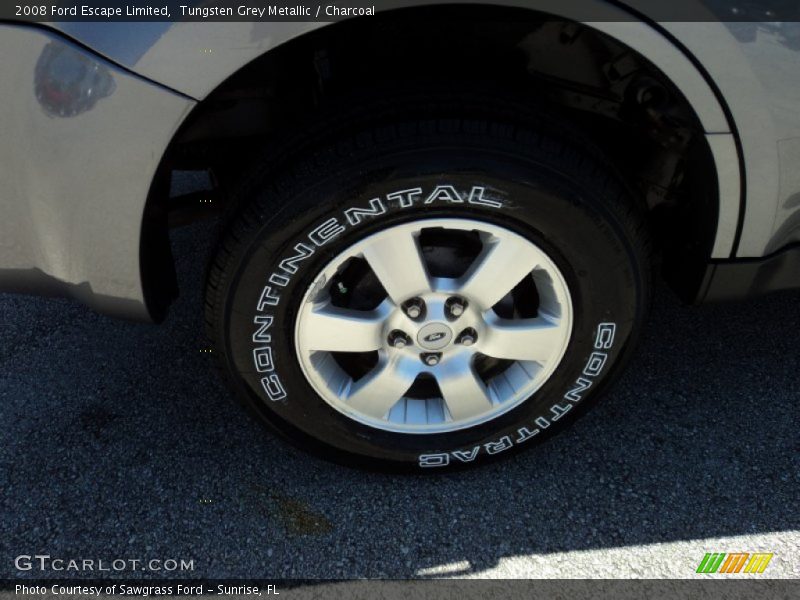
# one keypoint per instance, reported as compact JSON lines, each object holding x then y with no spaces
{"x":316,"y":230}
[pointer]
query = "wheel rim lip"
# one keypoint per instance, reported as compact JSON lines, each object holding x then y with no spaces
{"x":334,"y":400}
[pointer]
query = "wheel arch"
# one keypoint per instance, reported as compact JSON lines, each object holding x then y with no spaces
{"x":722,"y":148}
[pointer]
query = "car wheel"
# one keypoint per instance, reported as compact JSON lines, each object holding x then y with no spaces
{"x":428,"y":292}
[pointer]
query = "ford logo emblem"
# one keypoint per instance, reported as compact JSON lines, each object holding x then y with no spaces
{"x":433,"y":337}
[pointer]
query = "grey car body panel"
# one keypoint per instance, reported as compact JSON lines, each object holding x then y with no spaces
{"x":63,"y":230}
{"x":76,"y":171}
{"x":760,"y":81}
{"x":169,"y":54}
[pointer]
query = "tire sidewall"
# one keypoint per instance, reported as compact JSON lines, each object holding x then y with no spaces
{"x":560,"y":215}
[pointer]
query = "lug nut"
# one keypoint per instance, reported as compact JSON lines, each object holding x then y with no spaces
{"x":455,"y":307}
{"x":398,"y":339}
{"x":431,"y":358}
{"x":467,"y":337}
{"x":414,"y":308}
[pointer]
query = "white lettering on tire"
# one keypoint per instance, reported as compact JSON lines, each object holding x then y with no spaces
{"x":465,"y":456}
{"x":321,"y":235}
{"x":273,"y":387}
{"x":354,"y":215}
{"x":604,"y":340}
{"x":434,"y":460}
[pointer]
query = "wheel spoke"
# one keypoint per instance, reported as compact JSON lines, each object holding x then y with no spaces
{"x":524,"y":339}
{"x":343,"y":330}
{"x":378,"y":391}
{"x":398,"y":264}
{"x":501,"y":266}
{"x":455,"y":326}
{"x":464,"y":393}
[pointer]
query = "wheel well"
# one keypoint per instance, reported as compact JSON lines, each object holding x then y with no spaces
{"x":617,"y":97}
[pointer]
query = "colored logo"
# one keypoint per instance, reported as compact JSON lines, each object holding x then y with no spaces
{"x":735,"y":562}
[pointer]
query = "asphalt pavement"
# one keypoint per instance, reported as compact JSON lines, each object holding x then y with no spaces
{"x":117,"y":441}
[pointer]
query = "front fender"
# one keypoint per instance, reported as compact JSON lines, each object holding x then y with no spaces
{"x":196,"y":57}
{"x":81,"y":142}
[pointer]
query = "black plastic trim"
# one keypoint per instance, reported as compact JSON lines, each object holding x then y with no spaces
{"x":734,"y":130}
{"x":156,"y":262}
{"x":748,"y":278}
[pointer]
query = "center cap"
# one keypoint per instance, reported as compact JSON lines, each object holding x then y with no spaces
{"x":434,"y":336}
